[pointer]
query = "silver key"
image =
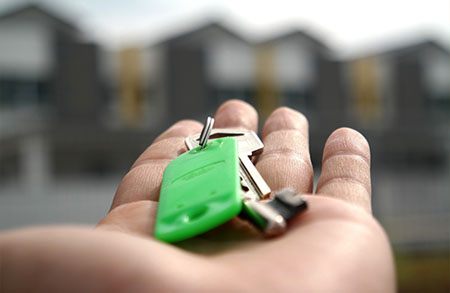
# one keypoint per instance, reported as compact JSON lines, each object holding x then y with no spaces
{"x":253,"y":185}
{"x":271,"y":216}
{"x":268,"y":214}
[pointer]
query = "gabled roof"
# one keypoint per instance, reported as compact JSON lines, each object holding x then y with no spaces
{"x":199,"y":29}
{"x":414,"y":47}
{"x":300,"y":35}
{"x":20,"y":10}
{"x":419,"y":45}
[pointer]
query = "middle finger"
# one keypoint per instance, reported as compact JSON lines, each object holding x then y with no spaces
{"x":285,"y":160}
{"x":236,"y":114}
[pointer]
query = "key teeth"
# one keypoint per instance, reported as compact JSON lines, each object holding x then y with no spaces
{"x":269,"y":215}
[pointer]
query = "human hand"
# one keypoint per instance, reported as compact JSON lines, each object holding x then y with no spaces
{"x":335,"y":246}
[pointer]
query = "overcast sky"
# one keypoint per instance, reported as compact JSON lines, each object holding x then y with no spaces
{"x":348,"y":25}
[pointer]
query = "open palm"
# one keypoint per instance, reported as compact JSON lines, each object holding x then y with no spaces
{"x":336,"y":246}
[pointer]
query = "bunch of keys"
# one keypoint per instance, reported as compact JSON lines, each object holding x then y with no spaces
{"x":216,"y":181}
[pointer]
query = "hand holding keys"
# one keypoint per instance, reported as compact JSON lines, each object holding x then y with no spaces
{"x":216,"y":181}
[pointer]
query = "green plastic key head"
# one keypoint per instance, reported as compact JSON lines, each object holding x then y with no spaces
{"x":200,"y":190}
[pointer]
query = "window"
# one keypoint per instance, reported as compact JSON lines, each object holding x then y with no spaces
{"x":21,"y":92}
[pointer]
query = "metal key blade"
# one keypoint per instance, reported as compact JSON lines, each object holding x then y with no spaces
{"x":270,"y":215}
{"x":251,"y":175}
{"x":253,"y":185}
{"x":248,"y":141}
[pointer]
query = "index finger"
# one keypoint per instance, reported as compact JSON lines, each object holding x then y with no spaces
{"x":143,"y":181}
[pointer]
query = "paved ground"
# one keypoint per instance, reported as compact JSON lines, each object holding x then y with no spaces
{"x":70,"y":200}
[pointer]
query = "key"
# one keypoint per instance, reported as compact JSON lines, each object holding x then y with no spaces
{"x":216,"y":181}
{"x":253,"y":185}
{"x":269,"y":215}
{"x":200,"y":190}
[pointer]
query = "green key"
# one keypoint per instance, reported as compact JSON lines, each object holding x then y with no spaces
{"x":200,"y":190}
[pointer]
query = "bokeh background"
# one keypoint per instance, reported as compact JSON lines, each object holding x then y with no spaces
{"x":85,"y":86}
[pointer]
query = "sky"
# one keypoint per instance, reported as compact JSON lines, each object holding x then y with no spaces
{"x":347,"y":25}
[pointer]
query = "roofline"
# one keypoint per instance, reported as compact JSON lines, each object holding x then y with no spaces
{"x":14,"y":10}
{"x":198,"y":28}
{"x":398,"y":48}
{"x":292,"y":33}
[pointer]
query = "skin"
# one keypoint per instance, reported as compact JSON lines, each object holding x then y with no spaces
{"x":336,"y":246}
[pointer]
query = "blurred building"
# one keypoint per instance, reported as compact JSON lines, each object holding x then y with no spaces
{"x":298,"y":70}
{"x":40,"y":84}
{"x":38,"y":68}
{"x":193,"y":72}
{"x":53,"y":102}
{"x":402,"y":97}
{"x":289,"y":70}
{"x":392,"y":95}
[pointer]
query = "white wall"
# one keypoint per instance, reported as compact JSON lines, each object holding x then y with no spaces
{"x":437,"y":72}
{"x":25,"y":49}
{"x":109,"y":66}
{"x":293,"y":64}
{"x":230,"y":62}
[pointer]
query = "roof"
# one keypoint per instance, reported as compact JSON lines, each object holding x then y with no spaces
{"x":19,"y":10}
{"x":419,"y":45}
{"x":297,"y":34}
{"x":414,"y":47}
{"x":198,"y":30}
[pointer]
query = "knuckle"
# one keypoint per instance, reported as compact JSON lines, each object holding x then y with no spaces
{"x":347,"y":142}
{"x":287,"y":170}
{"x":349,"y":158}
{"x":351,"y":170}
{"x":277,"y":155}
{"x":294,"y":137}
{"x":346,"y":183}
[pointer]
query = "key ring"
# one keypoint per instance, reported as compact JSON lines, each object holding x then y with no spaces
{"x":206,"y":131}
